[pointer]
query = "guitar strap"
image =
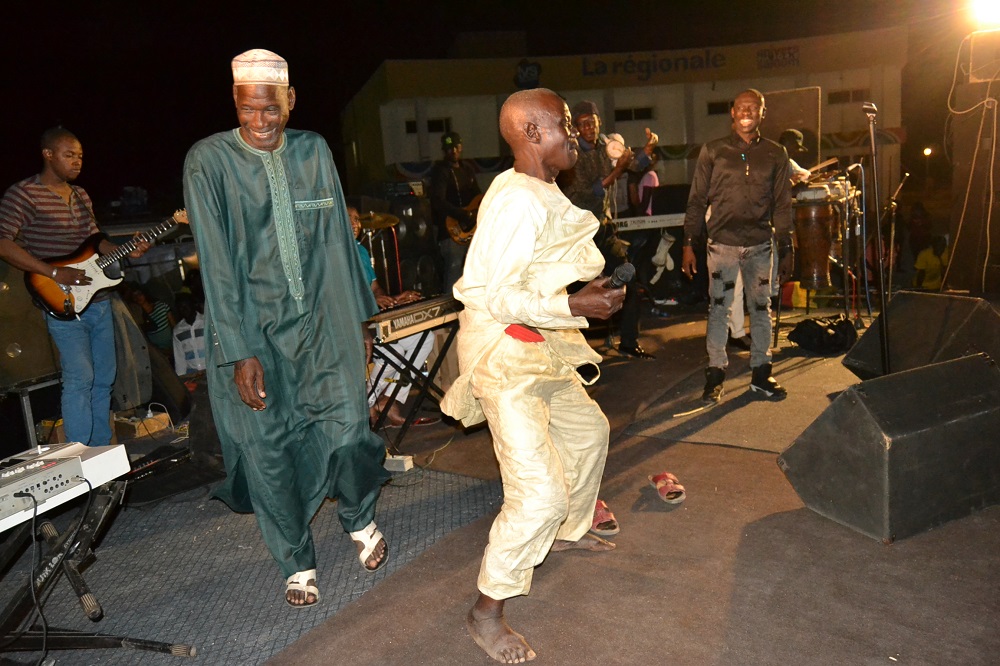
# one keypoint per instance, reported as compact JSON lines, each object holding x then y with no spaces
{"x":458,"y":188}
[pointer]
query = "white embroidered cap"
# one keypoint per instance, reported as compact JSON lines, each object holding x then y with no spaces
{"x":260,"y":66}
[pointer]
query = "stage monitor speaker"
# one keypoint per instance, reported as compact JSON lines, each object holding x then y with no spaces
{"x":26,"y":351}
{"x":927,"y":328}
{"x":897,"y":455}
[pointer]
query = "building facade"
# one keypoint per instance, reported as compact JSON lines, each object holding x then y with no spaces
{"x":391,"y":128}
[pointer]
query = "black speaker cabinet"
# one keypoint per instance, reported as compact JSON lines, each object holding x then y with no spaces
{"x":416,"y":236}
{"x":927,"y":328}
{"x":900,"y":454}
{"x":26,"y":350}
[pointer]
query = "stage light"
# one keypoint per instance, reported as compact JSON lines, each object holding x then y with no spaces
{"x":986,"y":13}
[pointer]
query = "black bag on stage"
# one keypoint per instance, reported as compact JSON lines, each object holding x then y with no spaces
{"x":825,"y":335}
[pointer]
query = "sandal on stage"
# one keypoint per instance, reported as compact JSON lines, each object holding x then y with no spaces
{"x":668,"y":488}
{"x":604,"y":521}
{"x":369,"y":538}
{"x":299,"y":582}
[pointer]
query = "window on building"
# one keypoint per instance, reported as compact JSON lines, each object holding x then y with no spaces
{"x":638,"y":113}
{"x":434,"y":126}
{"x":439,"y":125}
{"x":848,"y":96}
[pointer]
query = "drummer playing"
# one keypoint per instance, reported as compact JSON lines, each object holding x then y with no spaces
{"x":381,"y":375}
{"x":792,"y":140}
{"x":746,"y":180}
{"x":377,"y":222}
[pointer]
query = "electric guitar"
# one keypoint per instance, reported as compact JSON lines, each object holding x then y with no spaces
{"x":66,"y":301}
{"x":455,"y":229}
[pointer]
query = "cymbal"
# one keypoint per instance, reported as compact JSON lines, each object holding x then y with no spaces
{"x":378,"y":220}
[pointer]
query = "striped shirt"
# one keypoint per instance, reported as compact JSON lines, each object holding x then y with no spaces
{"x":40,"y":221}
{"x":159,"y":317}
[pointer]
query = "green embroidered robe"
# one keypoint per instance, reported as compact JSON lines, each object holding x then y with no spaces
{"x":283,"y":282}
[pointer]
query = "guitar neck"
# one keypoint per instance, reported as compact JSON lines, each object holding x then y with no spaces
{"x":147,"y":236}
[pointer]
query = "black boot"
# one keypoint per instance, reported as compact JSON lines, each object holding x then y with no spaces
{"x":763,"y":382}
{"x":713,"y":385}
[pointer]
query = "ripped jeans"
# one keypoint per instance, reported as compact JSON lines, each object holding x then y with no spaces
{"x":724,"y":263}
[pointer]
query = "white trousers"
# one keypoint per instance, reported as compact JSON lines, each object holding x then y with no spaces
{"x":551,"y":440}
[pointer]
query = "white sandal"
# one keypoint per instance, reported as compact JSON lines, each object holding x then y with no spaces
{"x":369,"y":538}
{"x":299,"y":582}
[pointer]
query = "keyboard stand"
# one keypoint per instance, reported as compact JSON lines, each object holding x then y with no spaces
{"x":425,"y":384}
{"x":23,"y":391}
{"x":65,"y":555}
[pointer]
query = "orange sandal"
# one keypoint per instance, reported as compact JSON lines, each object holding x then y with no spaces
{"x":604,"y":521}
{"x":668,"y":488}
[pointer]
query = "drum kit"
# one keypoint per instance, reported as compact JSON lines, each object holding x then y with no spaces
{"x":379,"y":231}
{"x":823,"y":207}
{"x":372,"y":222}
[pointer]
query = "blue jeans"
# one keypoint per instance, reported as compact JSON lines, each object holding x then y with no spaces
{"x":87,"y":356}
{"x":725,"y":262}
{"x":453,"y":259}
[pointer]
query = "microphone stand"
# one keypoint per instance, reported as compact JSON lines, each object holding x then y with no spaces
{"x":892,"y":228}
{"x":871,"y":111}
{"x":861,"y":233}
{"x":844,"y":227}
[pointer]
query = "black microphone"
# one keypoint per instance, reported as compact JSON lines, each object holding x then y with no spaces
{"x":622,"y":275}
{"x":869,"y":108}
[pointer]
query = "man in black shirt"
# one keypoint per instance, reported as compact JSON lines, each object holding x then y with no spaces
{"x":454,"y":193}
{"x":745,"y":178}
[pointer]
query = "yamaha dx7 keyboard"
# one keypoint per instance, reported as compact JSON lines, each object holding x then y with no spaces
{"x":395,"y":323}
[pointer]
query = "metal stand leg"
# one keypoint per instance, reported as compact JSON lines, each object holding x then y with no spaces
{"x":424,"y":384}
{"x":69,"y":553}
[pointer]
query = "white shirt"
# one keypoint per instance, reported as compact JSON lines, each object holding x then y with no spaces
{"x":189,"y":346}
{"x":531,"y":242}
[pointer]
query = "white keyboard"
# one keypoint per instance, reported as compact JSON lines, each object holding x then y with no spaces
{"x":54,"y":475}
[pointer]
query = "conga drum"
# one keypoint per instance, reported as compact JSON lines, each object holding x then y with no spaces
{"x":814,"y":222}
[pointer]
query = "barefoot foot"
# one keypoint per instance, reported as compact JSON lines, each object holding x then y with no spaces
{"x":497,"y":639}
{"x":588,"y":541}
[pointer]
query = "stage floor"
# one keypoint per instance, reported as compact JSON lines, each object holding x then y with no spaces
{"x":740,"y":573}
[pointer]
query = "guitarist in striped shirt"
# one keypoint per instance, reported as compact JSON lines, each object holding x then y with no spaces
{"x":46,"y":216}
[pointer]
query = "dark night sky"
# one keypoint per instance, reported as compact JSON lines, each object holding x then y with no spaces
{"x":140,"y":84}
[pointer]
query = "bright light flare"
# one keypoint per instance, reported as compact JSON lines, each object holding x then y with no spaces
{"x":986,"y":13}
{"x":927,"y":152}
